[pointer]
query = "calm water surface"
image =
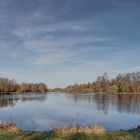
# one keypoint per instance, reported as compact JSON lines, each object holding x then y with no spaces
{"x":44,"y":111}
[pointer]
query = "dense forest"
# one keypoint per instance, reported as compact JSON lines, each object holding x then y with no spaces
{"x":123,"y":83}
{"x":9,"y":86}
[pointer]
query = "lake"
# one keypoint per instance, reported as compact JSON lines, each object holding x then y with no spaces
{"x":45,"y":111}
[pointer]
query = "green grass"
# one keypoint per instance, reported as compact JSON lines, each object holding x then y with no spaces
{"x":115,"y":135}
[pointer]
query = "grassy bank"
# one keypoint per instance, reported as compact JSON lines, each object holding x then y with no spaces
{"x":8,"y":131}
{"x":117,"y":135}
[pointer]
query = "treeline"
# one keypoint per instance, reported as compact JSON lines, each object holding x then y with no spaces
{"x":55,"y":90}
{"x":123,"y":83}
{"x":11,"y":86}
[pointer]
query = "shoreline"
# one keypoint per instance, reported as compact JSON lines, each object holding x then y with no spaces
{"x":73,"y":93}
{"x":89,"y":93}
{"x":9,"y":131}
{"x":10,"y":93}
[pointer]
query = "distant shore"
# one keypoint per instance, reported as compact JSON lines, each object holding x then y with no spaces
{"x":74,"y":93}
{"x":128,"y":83}
{"x":10,"y":93}
{"x":8,"y":86}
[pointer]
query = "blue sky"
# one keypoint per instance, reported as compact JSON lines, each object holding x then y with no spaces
{"x":62,"y":42}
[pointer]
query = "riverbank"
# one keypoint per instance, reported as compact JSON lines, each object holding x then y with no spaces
{"x":10,"y":132}
{"x":8,"y":86}
{"x":122,"y":83}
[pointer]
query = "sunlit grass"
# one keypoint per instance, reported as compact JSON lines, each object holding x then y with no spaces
{"x":72,"y":132}
{"x":76,"y":130}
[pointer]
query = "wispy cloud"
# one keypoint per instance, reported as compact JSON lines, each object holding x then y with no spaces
{"x":58,"y":50}
{"x":67,"y":41}
{"x":121,"y":3}
{"x":59,"y":42}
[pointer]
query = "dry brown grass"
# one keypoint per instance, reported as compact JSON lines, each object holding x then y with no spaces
{"x":9,"y":127}
{"x":76,"y":130}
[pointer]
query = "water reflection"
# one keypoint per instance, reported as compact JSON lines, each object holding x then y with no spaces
{"x":123,"y":103}
{"x":12,"y":99}
{"x":44,"y":111}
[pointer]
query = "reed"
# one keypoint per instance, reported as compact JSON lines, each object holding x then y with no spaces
{"x":9,"y":126}
{"x":78,"y":130}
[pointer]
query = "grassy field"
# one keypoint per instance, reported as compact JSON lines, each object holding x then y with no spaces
{"x":9,"y":131}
